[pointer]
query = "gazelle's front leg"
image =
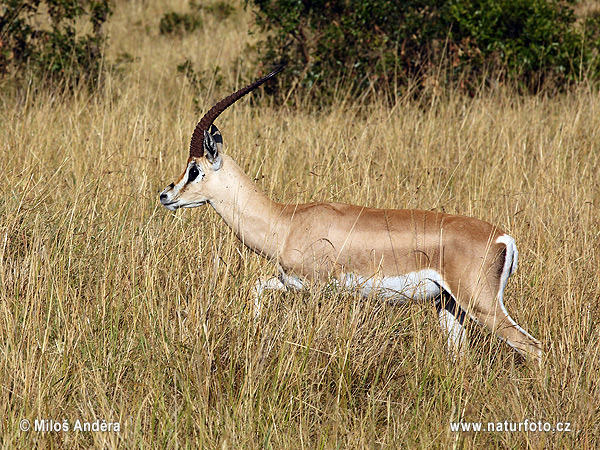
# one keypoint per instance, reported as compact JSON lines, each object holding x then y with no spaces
{"x":281,"y":283}
{"x":263,"y":283}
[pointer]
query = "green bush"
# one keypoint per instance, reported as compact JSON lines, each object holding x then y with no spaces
{"x":199,"y":81}
{"x":180,"y":23}
{"x":31,"y":45}
{"x":220,"y":9}
{"x":384,"y":44}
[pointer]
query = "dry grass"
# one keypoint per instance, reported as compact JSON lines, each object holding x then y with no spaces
{"x":113,"y":308}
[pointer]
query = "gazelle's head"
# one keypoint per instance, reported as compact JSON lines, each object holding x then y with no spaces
{"x":195,"y":186}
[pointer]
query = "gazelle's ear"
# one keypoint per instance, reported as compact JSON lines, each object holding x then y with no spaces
{"x":216,"y":134}
{"x":213,"y":144}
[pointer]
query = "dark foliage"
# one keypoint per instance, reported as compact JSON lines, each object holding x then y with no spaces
{"x":385,"y":44}
{"x":38,"y":38}
{"x":187,"y":22}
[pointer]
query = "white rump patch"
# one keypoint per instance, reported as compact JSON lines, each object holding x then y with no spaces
{"x":510,"y":265}
{"x":512,"y":255}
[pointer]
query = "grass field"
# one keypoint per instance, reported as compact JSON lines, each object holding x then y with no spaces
{"x":113,"y":308}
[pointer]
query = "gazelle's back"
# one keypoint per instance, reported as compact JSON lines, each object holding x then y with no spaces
{"x":327,"y":237}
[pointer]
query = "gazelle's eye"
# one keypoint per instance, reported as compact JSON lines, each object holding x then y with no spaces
{"x":192,"y":174}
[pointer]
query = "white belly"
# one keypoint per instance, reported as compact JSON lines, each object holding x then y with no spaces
{"x":421,"y":285}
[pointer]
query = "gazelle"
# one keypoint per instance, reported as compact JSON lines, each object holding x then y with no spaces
{"x":462,"y":262}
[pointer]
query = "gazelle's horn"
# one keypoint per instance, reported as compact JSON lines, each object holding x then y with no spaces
{"x":196,"y":145}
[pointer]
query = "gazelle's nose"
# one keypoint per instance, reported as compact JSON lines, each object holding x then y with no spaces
{"x":164,"y":195}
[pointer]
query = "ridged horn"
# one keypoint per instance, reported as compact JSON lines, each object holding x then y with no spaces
{"x":197,"y":143}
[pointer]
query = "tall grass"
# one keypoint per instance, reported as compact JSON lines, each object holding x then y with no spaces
{"x":113,"y":308}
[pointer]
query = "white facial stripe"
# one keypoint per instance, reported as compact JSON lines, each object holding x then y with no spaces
{"x":185,"y":179}
{"x":193,"y":173}
{"x":171,"y":196}
{"x":181,"y":183}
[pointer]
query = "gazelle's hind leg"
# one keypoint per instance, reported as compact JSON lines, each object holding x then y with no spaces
{"x":452,"y":320}
{"x":496,"y":319}
{"x":486,"y":305}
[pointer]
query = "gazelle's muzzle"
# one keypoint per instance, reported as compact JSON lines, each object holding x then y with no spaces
{"x":167,"y":198}
{"x":170,"y":198}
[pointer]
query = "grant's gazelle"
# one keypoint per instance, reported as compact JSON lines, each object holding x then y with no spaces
{"x":397,"y":254}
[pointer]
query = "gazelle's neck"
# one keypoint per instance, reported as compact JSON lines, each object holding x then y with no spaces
{"x":260,"y":223}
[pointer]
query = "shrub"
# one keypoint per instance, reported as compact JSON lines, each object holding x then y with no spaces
{"x":180,"y":23}
{"x":172,"y":22}
{"x":387,"y":44}
{"x":220,"y":9}
{"x":52,"y":49}
{"x":199,"y":81}
{"x":531,"y":42}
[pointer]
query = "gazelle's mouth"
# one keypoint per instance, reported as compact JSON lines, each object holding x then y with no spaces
{"x":170,"y":205}
{"x":193,"y":204}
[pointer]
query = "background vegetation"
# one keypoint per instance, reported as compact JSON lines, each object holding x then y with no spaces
{"x":113,"y":308}
{"x":60,"y":41}
{"x":382,"y":46}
